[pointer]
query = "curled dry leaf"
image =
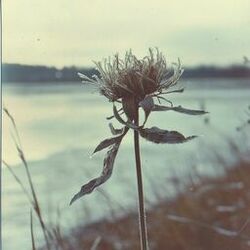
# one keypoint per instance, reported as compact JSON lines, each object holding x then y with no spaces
{"x":179,"y":109}
{"x":110,"y":141}
{"x":158,"y":135}
{"x":175,"y":91}
{"x":119,"y":119}
{"x":112,"y":116}
{"x":108,"y":164}
{"x":115,"y":131}
{"x":147,"y":104}
{"x":106,"y":143}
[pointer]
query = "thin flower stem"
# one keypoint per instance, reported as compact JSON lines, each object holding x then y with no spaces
{"x":142,"y":214}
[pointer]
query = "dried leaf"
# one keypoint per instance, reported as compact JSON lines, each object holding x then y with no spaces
{"x":119,"y":119}
{"x":115,"y":131}
{"x":106,"y":143}
{"x":179,"y":109}
{"x":158,"y":135}
{"x":112,"y":116}
{"x":175,"y":91}
{"x":161,"y":108}
{"x":147,"y":104}
{"x":108,"y":164}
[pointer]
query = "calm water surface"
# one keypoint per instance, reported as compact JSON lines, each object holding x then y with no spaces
{"x":60,"y":125}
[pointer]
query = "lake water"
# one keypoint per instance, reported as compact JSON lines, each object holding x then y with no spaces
{"x":60,"y":125}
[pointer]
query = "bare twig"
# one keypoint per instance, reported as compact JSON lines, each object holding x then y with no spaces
{"x":32,"y":231}
{"x":34,"y":200}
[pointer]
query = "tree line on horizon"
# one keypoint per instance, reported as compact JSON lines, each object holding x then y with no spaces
{"x":32,"y":74}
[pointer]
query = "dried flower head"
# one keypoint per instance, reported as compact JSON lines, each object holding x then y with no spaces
{"x":133,"y":77}
{"x":135,"y":83}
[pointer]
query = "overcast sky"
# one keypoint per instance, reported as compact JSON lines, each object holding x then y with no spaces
{"x":63,"y":33}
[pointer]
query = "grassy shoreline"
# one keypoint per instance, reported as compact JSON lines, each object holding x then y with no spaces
{"x":210,"y":214}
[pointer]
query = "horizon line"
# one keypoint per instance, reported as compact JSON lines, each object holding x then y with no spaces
{"x":92,"y":67}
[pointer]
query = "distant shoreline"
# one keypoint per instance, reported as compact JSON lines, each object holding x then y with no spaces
{"x":18,"y":73}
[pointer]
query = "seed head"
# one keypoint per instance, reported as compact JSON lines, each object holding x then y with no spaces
{"x":134,"y":78}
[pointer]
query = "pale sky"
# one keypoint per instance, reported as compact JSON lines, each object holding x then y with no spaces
{"x":63,"y":33}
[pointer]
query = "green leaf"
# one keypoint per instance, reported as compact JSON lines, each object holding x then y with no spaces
{"x":158,"y":135}
{"x":108,"y":165}
{"x":179,"y":109}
